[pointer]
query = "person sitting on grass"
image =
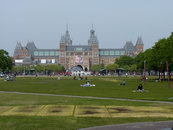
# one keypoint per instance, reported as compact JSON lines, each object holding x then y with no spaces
{"x":123,"y":83}
{"x":140,"y":88}
{"x":88,"y":82}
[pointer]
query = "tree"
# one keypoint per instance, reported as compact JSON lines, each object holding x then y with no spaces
{"x":96,"y":67}
{"x":133,"y":68}
{"x":112,"y":67}
{"x":157,"y":56}
{"x":50,"y":67}
{"x":5,"y":61}
{"x":125,"y":60}
{"x":39,"y":68}
{"x":18,"y":69}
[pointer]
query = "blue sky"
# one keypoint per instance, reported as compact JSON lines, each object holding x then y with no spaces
{"x":115,"y":21}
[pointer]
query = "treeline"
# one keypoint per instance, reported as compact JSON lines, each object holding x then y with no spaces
{"x":158,"y":58}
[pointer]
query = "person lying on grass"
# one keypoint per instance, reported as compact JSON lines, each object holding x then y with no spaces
{"x":88,"y":84}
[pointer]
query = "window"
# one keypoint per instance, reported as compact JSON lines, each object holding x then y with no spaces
{"x":43,"y":61}
{"x":117,"y":53}
{"x":112,"y":53}
{"x":78,"y":49}
{"x":35,"y":53}
{"x":52,"y":53}
{"x":122,"y":52}
{"x":56,"y":53}
{"x":101,"y":52}
{"x":106,"y":53}
{"x":46,"y":53}
{"x":53,"y":61}
{"x":41,"y":53}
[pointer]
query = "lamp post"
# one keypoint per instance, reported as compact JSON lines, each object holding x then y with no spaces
{"x":161,"y":70}
{"x":144,"y":73}
{"x":167,"y":67}
{"x":102,"y":64}
{"x":89,"y":63}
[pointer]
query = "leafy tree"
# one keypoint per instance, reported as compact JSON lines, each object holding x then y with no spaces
{"x":112,"y":67}
{"x":18,"y":69}
{"x":133,"y":68}
{"x":55,"y":68}
{"x":5,"y":61}
{"x":96,"y":67}
{"x":159,"y":54}
{"x":125,"y":60}
{"x":39,"y":68}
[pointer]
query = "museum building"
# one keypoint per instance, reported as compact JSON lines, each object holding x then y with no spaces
{"x":70,"y":55}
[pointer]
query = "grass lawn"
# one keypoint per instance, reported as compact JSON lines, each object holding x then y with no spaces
{"x":105,"y":87}
{"x":63,"y":123}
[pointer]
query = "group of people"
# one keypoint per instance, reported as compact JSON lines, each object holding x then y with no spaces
{"x":11,"y":77}
{"x":139,"y":87}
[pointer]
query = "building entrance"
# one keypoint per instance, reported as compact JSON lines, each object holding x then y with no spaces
{"x":77,"y":68}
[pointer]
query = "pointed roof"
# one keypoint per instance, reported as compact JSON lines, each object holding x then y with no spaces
{"x":31,"y":47}
{"x":129,"y":47}
{"x":65,"y":39}
{"x":17,"y":49}
{"x":18,"y":46}
{"x":139,"y":40}
{"x":93,"y":37}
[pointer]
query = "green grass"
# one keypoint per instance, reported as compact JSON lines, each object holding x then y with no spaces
{"x":105,"y":87}
{"x":63,"y":123}
{"x":14,"y":99}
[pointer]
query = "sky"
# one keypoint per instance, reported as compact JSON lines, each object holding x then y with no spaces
{"x":115,"y":22}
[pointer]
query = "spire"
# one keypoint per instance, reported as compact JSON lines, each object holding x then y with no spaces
{"x":93,"y":37}
{"x":139,"y":40}
{"x":65,"y":39}
{"x":17,"y":49}
{"x":18,"y":46}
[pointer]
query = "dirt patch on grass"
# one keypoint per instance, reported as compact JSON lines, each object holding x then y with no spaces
{"x":90,"y":112}
{"x":27,"y":109}
{"x":55,"y":111}
{"x":155,"y":112}
{"x":121,"y":110}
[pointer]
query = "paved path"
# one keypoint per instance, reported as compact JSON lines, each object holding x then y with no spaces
{"x":87,"y":97}
{"x":162,"y":125}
